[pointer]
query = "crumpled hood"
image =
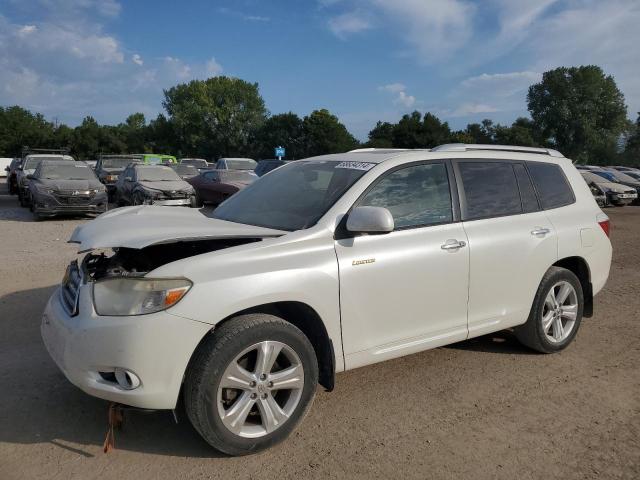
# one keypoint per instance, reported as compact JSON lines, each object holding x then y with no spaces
{"x":141,"y":226}
{"x":177,"y":185}
{"x":70,"y":184}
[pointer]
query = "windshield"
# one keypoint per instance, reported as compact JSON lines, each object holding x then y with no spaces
{"x":606,"y":175}
{"x":32,"y":162}
{"x":119,"y":162}
{"x":293,"y":197}
{"x":183,"y":169}
{"x":634,"y":175}
{"x":623,"y":177}
{"x":158,"y":174}
{"x":196,"y":162}
{"x":241,"y":164}
{"x":66,"y":172}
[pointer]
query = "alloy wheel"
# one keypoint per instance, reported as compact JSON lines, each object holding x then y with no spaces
{"x":560,"y":312}
{"x":260,"y":389}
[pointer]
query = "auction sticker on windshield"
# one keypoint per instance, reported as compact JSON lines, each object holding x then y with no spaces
{"x":356,"y":165}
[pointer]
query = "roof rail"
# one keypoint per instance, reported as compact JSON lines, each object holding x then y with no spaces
{"x":371,"y":149}
{"x":28,"y":150}
{"x":464,"y":147}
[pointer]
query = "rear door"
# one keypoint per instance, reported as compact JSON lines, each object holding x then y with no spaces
{"x":511,"y":242}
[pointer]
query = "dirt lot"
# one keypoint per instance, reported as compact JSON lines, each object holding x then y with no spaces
{"x":485,"y":408}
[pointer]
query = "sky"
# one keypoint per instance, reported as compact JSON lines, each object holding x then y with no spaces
{"x":364,"y":60}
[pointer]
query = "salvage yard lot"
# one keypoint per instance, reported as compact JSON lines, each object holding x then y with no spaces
{"x":485,"y":408}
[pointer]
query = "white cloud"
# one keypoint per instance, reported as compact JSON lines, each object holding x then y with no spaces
{"x":469,"y":109}
{"x":400,"y":95}
{"x":256,"y":18}
{"x":349,"y":23}
{"x":213,"y":68}
{"x":70,"y":71}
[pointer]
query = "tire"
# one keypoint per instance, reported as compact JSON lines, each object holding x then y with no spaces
{"x":21,"y":198}
{"x":196,"y":202}
{"x":542,"y":332}
{"x":12,"y":187}
{"x":206,"y":402}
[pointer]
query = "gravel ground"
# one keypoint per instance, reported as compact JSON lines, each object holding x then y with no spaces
{"x":485,"y":408}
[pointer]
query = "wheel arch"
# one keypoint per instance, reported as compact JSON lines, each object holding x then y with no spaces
{"x":580,"y":268}
{"x":310,"y":323}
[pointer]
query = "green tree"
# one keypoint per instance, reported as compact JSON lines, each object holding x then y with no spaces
{"x":381,"y":136}
{"x":134,"y":132}
{"x":323,"y":134}
{"x":519,"y":133}
{"x":162,"y":137}
{"x":219,"y":116}
{"x":435,"y":132}
{"x":408,"y":132}
{"x":632,"y":147}
{"x":580,"y":111}
{"x":20,"y":127}
{"x":284,"y":129}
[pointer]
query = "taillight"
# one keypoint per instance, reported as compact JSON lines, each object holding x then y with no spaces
{"x":606,"y":226}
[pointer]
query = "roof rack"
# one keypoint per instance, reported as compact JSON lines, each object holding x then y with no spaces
{"x":464,"y":147}
{"x":371,"y":149}
{"x":28,"y":150}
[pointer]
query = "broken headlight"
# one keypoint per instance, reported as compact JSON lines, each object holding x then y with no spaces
{"x":137,"y":296}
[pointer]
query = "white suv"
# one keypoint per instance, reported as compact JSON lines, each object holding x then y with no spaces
{"x":321,"y":266}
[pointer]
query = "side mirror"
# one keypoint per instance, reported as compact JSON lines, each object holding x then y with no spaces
{"x":30,"y":177}
{"x":128,"y":179}
{"x":20,"y":168}
{"x":6,"y":169}
{"x":370,"y":220}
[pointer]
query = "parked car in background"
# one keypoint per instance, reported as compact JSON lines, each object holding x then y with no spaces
{"x":635,"y":174}
{"x":618,"y":177}
{"x":215,"y":186}
{"x":92,"y":163}
{"x":4,"y":166}
{"x":325,"y":265}
{"x":109,"y":167}
{"x":157,"y":159}
{"x":184,"y":170}
{"x":141,"y":184}
{"x":199,"y":163}
{"x":617,"y":194}
{"x":62,"y":188}
{"x":236,"y":164}
{"x":29,"y":164}
{"x":265,"y":166}
{"x":12,"y":175}
{"x":626,"y":169}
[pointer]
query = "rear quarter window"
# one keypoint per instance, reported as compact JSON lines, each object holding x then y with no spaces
{"x":490,"y":189}
{"x":551,"y":184}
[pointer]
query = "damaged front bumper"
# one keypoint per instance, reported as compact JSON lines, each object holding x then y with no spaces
{"x":89,"y":348}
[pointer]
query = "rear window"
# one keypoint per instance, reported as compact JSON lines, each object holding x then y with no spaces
{"x":490,"y":189}
{"x":552,"y":186}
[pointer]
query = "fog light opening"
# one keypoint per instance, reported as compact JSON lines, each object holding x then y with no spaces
{"x":126,"y":379}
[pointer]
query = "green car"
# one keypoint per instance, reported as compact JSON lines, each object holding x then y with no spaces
{"x":156,"y":159}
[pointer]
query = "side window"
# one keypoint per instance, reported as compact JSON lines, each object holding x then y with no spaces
{"x":551,"y":184}
{"x":416,"y":196}
{"x":490,"y":189}
{"x":527,"y":192}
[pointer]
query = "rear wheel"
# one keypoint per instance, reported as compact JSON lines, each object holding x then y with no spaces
{"x":250,"y":383}
{"x":22,"y":198}
{"x":556,"y":313}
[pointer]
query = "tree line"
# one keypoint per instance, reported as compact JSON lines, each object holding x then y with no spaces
{"x":579,"y":111}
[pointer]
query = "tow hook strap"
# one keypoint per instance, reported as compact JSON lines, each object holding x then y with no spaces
{"x":115,"y":422}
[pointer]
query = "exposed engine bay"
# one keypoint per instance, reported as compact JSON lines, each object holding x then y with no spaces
{"x":134,"y":262}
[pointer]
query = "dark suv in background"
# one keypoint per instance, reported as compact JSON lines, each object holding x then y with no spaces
{"x":109,"y":167}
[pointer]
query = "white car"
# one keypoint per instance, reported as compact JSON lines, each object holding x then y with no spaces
{"x":4,"y":166}
{"x":617,"y":193}
{"x":325,"y":265}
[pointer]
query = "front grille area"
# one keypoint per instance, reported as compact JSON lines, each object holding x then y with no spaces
{"x":175,"y":194}
{"x":72,"y":197}
{"x":70,"y":288}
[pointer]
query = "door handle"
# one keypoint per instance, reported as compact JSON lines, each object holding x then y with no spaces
{"x":539,"y":231}
{"x":453,"y":245}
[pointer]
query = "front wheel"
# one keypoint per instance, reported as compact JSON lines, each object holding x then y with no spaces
{"x":556,"y":313}
{"x":250,"y":383}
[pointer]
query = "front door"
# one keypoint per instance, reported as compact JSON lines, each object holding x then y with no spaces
{"x":405,"y":291}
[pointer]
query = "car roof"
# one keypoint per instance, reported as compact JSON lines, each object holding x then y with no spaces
{"x":499,"y":152}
